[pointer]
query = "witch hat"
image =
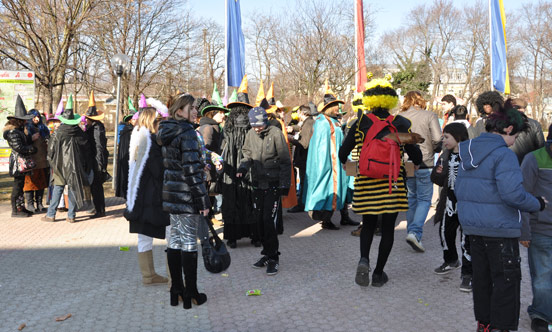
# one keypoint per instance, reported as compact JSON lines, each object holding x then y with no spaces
{"x":215,"y":104}
{"x":270,"y":95}
{"x":20,"y":111}
{"x":242,"y":96}
{"x":260,"y":94}
{"x":131,"y":110}
{"x":92,"y":112}
{"x":59,"y":110}
{"x":329,"y":98}
{"x":142,"y":103}
{"x":67,"y":116}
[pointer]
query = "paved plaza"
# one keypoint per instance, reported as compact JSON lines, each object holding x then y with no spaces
{"x":48,"y":270}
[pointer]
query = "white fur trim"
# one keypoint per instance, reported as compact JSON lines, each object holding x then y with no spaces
{"x":140,"y":145}
{"x":158,"y":105}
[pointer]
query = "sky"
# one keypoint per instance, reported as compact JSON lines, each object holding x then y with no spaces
{"x":390,"y":13}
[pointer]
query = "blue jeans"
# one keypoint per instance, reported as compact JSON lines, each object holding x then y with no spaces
{"x":540,"y":265}
{"x":54,"y":202}
{"x":420,"y":191}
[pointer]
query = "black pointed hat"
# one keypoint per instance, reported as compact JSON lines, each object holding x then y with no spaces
{"x":20,"y":111}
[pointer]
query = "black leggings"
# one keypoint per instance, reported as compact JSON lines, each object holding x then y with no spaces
{"x":369,"y":223}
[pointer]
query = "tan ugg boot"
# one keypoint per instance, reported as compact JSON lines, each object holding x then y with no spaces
{"x":149,"y":277}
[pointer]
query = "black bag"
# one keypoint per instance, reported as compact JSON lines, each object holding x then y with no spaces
{"x":216,"y":257}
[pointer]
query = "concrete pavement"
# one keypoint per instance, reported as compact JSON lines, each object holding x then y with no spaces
{"x":48,"y":270}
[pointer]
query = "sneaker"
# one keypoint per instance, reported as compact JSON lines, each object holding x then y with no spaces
{"x":379,"y":280}
{"x":48,"y":219}
{"x":261,"y":263}
{"x":447,"y":267}
{"x":20,"y":214}
{"x":481,"y":327}
{"x":466,"y":285}
{"x":363,"y":272}
{"x":272,"y":267}
{"x":414,"y":243}
{"x":539,"y":325}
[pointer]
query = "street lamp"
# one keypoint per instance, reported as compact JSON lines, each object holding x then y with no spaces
{"x":120,"y":64}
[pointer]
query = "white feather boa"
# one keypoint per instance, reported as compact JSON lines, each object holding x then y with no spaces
{"x":140,"y":145}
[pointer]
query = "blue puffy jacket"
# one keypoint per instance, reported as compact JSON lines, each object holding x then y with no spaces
{"x":489,"y":189}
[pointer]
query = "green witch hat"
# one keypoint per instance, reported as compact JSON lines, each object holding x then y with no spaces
{"x":216,"y":103}
{"x":131,"y":110}
{"x":68,"y":117}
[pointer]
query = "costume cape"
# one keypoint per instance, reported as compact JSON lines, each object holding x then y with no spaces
{"x":325,"y":181}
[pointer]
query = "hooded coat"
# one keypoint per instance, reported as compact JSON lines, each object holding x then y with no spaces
{"x":489,"y":189}
{"x":184,"y":190}
{"x":145,"y":186}
{"x":70,"y":159}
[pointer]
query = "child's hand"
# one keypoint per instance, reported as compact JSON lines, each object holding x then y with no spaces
{"x":439,"y":169}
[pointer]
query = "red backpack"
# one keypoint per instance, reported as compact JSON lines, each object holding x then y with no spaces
{"x":380,"y":158}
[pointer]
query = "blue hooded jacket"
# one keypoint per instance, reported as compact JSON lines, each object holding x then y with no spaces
{"x":489,"y":189}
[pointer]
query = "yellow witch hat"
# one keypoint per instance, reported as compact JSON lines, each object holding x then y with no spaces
{"x":260,"y":94}
{"x":242,"y":97}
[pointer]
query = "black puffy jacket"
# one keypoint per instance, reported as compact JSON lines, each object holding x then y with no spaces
{"x":528,"y":141}
{"x":20,"y":143}
{"x":184,"y":190}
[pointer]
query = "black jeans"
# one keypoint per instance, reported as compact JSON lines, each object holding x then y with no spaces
{"x":17,"y":199}
{"x":266,"y":203}
{"x":447,"y":233}
{"x":496,"y":281}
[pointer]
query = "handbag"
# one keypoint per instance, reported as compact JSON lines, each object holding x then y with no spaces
{"x":216,"y":257}
{"x":25,"y":164}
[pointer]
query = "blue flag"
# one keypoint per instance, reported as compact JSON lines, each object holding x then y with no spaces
{"x":235,"y":57}
{"x":500,"y":77}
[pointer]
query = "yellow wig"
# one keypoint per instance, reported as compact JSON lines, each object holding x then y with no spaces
{"x":379,"y":93}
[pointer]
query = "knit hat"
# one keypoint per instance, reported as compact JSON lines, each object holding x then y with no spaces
{"x":258,"y":117}
{"x":379,"y":94}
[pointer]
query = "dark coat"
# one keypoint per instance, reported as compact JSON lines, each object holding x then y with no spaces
{"x":441,"y":180}
{"x":302,"y":144}
{"x":266,"y":154}
{"x":528,"y":141}
{"x":98,"y":145}
{"x":184,"y":189}
{"x":122,"y":161}
{"x":21,"y":145}
{"x":70,"y":159}
{"x":146,"y":215}
{"x":210,"y":130}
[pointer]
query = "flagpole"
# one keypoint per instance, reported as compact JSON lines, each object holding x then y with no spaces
{"x":356,"y":47}
{"x":226,"y":52}
{"x":491,"y":45}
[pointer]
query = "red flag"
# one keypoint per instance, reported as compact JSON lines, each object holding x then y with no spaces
{"x":359,"y":37}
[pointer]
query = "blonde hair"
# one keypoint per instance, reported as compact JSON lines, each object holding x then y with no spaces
{"x":413,"y":98}
{"x":147,"y":119}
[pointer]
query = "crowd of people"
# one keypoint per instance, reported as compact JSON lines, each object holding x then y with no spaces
{"x":249,"y":161}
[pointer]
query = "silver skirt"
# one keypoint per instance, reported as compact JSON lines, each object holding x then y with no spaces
{"x":183,"y":234}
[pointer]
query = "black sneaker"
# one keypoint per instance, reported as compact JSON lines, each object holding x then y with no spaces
{"x":447,"y":267}
{"x":466,"y":285}
{"x":362,"y":277}
{"x":539,"y":325}
{"x":272,"y":267}
{"x":261,"y":263}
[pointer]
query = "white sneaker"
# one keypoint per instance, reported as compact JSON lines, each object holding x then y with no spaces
{"x":414,"y":243}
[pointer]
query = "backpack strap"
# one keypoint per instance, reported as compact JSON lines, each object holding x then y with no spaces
{"x":376,"y":127}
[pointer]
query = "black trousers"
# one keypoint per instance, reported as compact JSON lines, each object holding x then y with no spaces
{"x":266,"y":204}
{"x":97,"y":191}
{"x":496,"y":281}
{"x":447,"y":232}
{"x":17,"y":199}
{"x":302,"y":175}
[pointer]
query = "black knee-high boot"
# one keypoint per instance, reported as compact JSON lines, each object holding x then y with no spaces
{"x":189,"y":263}
{"x":175,"y":268}
{"x":29,"y":201}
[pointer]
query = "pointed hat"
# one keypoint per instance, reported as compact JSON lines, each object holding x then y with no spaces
{"x":67,"y":116}
{"x":215,"y":98}
{"x":92,"y":112}
{"x":270,"y":95}
{"x":20,"y":111}
{"x":329,"y":98}
{"x":131,"y":110}
{"x":142,"y":103}
{"x":242,"y":96}
{"x":260,"y":94}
